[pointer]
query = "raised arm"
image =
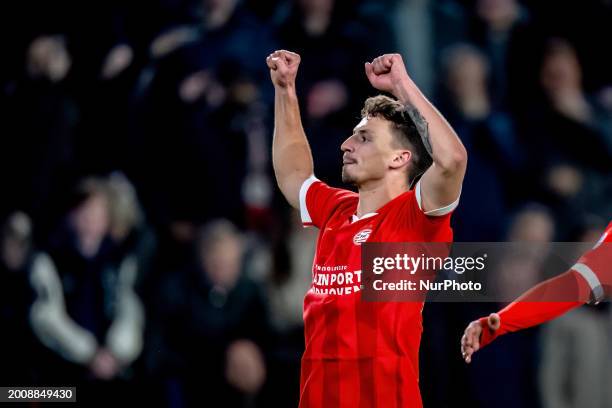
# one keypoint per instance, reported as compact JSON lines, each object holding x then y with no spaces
{"x":441,"y":183}
{"x":291,"y":156}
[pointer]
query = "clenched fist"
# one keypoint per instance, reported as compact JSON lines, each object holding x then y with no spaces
{"x":283,"y":68}
{"x":387,"y":73}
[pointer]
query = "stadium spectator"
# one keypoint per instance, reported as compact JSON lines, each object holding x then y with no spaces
{"x":201,"y":100}
{"x":575,"y":357}
{"x":289,"y":281}
{"x":86,"y":310}
{"x":574,"y":178}
{"x":514,"y":382}
{"x":423,"y":28}
{"x":39,"y":126}
{"x":318,"y":29}
{"x":212,"y":326}
{"x":511,"y":40}
{"x":488,"y":133}
{"x":17,"y":261}
{"x":576,"y":350}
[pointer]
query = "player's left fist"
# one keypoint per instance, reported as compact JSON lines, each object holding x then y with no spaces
{"x":387,"y":73}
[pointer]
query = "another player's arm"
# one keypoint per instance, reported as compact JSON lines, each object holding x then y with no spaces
{"x":291,"y":155}
{"x":589,"y":280}
{"x":536,"y":306}
{"x":441,"y":183}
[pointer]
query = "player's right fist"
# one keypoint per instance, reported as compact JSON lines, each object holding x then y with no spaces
{"x":283,"y":68}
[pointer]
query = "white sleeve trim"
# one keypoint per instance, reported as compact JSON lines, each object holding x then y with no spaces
{"x":304,"y":214}
{"x":438,"y":211}
{"x":601,"y":240}
{"x":591,"y":278}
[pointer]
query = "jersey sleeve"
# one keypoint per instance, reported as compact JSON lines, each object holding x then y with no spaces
{"x":595,"y":267}
{"x":588,"y":281}
{"x":539,"y":305}
{"x":438,"y":212}
{"x":318,"y":201}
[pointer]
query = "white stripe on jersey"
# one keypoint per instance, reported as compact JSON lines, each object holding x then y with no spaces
{"x":601,"y":240}
{"x":592,"y":279}
{"x":304,"y":214}
{"x":438,"y":211}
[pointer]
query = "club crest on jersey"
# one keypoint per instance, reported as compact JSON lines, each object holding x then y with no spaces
{"x":362,"y":236}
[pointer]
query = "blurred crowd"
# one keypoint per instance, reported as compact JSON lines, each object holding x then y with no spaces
{"x":146,"y":253}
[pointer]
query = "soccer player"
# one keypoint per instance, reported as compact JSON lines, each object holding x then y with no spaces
{"x":588,"y":281}
{"x":365,"y":354}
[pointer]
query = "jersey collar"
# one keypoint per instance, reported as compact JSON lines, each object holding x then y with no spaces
{"x":355,"y":218}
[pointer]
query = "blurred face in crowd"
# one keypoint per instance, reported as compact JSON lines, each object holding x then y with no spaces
{"x":124,"y":208}
{"x":48,"y":58}
{"x":91,"y":222}
{"x":14,"y":253}
{"x":467,"y":73}
{"x":317,"y":6}
{"x":219,"y":5}
{"x":15,"y":241}
{"x":498,"y":14}
{"x":532,"y":226}
{"x":221,"y":258}
{"x":560,"y":69}
{"x":369,"y":152}
{"x":516,"y":274}
{"x":326,"y":97}
{"x":217,"y":12}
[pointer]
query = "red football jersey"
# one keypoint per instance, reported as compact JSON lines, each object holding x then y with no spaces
{"x":361,"y":354}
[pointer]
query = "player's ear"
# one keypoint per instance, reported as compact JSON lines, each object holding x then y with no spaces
{"x":401,"y":158}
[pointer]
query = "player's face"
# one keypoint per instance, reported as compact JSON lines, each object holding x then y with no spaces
{"x":367,"y":152}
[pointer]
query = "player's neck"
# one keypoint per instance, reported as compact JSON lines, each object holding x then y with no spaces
{"x":375,"y":194}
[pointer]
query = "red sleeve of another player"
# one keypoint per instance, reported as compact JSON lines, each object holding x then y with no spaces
{"x":540,"y":304}
{"x":588,"y":281}
{"x":318,"y":201}
{"x":596,"y":266}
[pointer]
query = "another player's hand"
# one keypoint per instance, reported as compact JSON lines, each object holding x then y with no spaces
{"x":470,"y":342}
{"x":283,"y":68}
{"x":387,"y":73}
